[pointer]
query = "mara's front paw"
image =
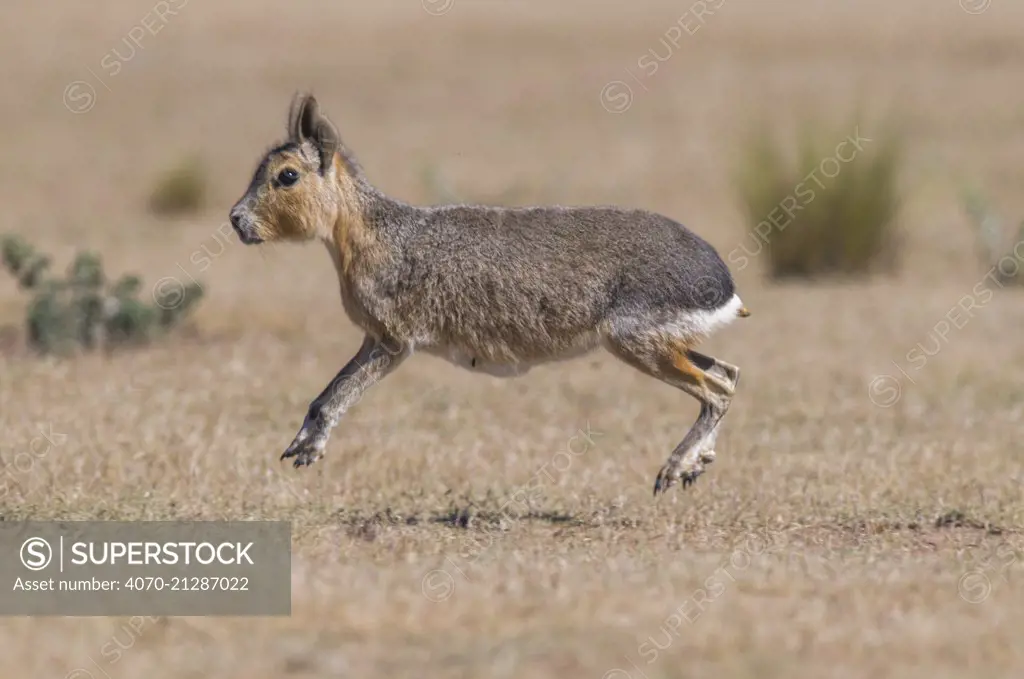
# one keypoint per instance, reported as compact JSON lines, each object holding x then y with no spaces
{"x":309,"y":444}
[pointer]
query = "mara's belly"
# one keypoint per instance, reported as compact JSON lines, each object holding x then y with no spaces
{"x":474,"y":362}
{"x":478,"y":365}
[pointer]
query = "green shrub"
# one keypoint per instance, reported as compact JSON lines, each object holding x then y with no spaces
{"x":181,"y":190}
{"x":85,"y":311}
{"x":827,"y":208}
{"x":999,"y":248}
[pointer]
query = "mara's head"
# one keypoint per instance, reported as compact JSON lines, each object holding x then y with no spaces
{"x":300,"y":186}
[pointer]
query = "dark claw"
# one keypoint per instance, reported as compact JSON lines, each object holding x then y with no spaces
{"x":665,"y":480}
{"x":690,"y":477}
{"x":304,"y":452}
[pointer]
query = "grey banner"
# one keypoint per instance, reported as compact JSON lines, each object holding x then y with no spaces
{"x":81,"y":568}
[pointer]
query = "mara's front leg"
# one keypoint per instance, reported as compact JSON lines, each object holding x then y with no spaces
{"x":376,"y":358}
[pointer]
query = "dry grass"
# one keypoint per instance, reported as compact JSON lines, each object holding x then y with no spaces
{"x":831,"y":533}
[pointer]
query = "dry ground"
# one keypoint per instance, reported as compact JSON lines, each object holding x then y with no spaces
{"x":832,"y":538}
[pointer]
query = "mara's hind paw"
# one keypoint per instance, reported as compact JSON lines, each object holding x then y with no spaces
{"x":687,"y":473}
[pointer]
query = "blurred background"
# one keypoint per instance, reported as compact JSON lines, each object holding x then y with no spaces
{"x":857,"y":164}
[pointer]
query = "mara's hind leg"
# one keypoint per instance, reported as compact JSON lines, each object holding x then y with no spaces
{"x":710,"y":381}
{"x":731,"y":375}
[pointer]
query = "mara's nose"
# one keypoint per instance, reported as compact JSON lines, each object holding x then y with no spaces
{"x":244,"y":227}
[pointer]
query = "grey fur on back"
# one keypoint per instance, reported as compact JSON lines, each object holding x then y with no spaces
{"x":519,"y":284}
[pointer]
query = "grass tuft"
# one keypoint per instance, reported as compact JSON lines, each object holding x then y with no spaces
{"x":1000,"y":247}
{"x":180,"y":190}
{"x":828,"y":207}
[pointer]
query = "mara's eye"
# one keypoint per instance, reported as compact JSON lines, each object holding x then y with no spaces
{"x":287,"y":177}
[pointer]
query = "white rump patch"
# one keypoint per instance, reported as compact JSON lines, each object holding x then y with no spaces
{"x":700,"y":323}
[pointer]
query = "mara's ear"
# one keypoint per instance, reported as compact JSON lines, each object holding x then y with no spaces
{"x":325,"y":137}
{"x":305,"y":122}
{"x":301,"y":103}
